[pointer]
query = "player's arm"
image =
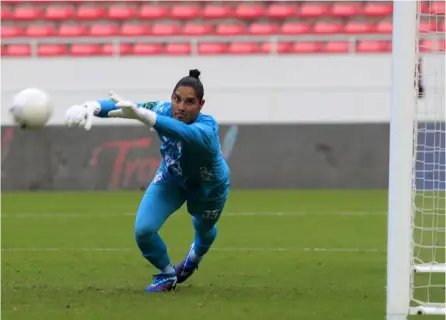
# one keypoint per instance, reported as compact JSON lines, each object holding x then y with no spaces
{"x":198,"y":133}
{"x":103,"y":107}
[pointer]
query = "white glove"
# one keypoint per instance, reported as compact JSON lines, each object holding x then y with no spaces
{"x":82,"y":115}
{"x":130,"y":110}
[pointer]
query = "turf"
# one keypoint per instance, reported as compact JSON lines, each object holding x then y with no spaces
{"x":72,"y":256}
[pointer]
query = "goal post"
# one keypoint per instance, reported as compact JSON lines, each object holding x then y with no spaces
{"x":416,"y":266}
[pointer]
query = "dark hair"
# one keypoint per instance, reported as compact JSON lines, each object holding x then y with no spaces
{"x":192,"y":80}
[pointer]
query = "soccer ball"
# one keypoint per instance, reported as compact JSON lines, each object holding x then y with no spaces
{"x":31,"y":108}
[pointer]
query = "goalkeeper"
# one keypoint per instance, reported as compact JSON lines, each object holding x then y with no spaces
{"x":193,"y":171}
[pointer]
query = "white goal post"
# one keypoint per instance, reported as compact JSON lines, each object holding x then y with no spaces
{"x":416,"y":266}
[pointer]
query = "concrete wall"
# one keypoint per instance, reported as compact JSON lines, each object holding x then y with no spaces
{"x":285,"y":89}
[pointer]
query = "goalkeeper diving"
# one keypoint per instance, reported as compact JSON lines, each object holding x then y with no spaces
{"x":192,"y":170}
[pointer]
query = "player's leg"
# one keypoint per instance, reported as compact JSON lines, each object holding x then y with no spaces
{"x":161,"y":199}
{"x":205,"y":215}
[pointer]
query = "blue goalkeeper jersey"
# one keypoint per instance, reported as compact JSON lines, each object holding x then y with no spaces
{"x":191,"y":153}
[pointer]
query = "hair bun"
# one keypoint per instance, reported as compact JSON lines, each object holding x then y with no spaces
{"x":195,"y":73}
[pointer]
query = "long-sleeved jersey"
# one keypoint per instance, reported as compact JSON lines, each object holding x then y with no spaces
{"x":191,"y":153}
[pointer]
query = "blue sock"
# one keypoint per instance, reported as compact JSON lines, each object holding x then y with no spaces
{"x":204,"y":240}
{"x":154,"y":250}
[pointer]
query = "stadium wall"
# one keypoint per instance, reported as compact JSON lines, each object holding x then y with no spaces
{"x":318,"y":122}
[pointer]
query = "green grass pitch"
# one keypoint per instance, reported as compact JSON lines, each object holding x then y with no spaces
{"x":279,"y":255}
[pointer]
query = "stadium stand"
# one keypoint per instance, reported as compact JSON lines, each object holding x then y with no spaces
{"x":88,"y":28}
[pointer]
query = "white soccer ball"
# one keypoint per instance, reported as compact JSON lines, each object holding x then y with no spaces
{"x":31,"y":108}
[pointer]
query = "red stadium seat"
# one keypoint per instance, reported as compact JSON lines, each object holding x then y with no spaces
{"x":58,"y":12}
{"x":51,"y":50}
{"x":372,"y":46}
{"x":357,"y":27}
{"x":295,"y":28}
{"x":280,"y":47}
{"x":428,"y":26}
{"x":345,"y":9}
{"x":109,"y":49}
{"x":11,"y":31}
{"x":384,"y":26}
{"x":325,"y":27}
{"x":134,"y":29}
{"x":263,"y":28}
{"x":337,"y":47}
{"x":79,"y":49}
{"x":178,"y":48}
{"x":72,"y":30}
{"x":6,"y":14}
{"x":147,"y":49}
{"x":281,"y":10}
{"x":89,"y":12}
{"x":103,"y":30}
{"x":18,"y":50}
{"x":378,"y":9}
{"x":437,"y":7}
{"x":197,"y":29}
{"x":249,"y":11}
{"x":166,"y":29}
{"x":121,"y":12}
{"x":229,"y":29}
{"x":151,"y":11}
{"x":426,"y":45}
{"x":217,"y":11}
{"x":211,"y":48}
{"x":306,"y":47}
{"x":243,"y":48}
{"x":27,"y":13}
{"x":185,"y":12}
{"x":40,"y":30}
{"x":313,"y":10}
{"x":441,"y":45}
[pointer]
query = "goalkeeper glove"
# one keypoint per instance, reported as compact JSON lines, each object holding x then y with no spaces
{"x":130,"y":110}
{"x":82,"y":115}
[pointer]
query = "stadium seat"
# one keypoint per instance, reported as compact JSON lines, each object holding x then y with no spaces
{"x":134,"y":29}
{"x":185,"y":12}
{"x":147,"y":49}
{"x":372,"y":46}
{"x":378,"y":9}
{"x":103,"y":30}
{"x":313,"y":10}
{"x":229,"y":29}
{"x":121,"y":12}
{"x":27,"y":13}
{"x":51,"y":50}
{"x":72,"y":30}
{"x":10,"y":31}
{"x":6,"y":14}
{"x":166,"y":29}
{"x":89,"y":12}
{"x":306,"y":47}
{"x":58,"y":12}
{"x":243,"y":48}
{"x":79,"y":49}
{"x":358,"y":27}
{"x":217,"y":11}
{"x":18,"y":50}
{"x":345,"y":9}
{"x":262,"y":28}
{"x":426,"y":45}
{"x":325,"y":27}
{"x":337,"y":47}
{"x":279,"y":47}
{"x":249,"y":11}
{"x":281,"y":10}
{"x":211,"y":48}
{"x":384,"y":26}
{"x":428,"y":26}
{"x":178,"y":48}
{"x":40,"y":30}
{"x":197,"y":29}
{"x":437,"y":7}
{"x":152,"y":11}
{"x":109,"y":49}
{"x":295,"y":28}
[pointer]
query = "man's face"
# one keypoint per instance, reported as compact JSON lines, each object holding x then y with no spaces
{"x":185,"y":104}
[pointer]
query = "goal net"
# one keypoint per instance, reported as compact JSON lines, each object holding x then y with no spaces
{"x":416,"y":266}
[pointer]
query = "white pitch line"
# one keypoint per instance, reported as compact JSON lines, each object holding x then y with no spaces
{"x":225,"y":214}
{"x":228,"y":249}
